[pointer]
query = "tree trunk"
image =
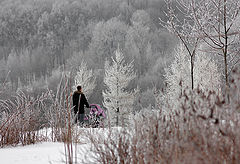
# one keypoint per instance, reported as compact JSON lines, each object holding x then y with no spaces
{"x":226,"y":67}
{"x":117,"y":122}
{"x":226,"y":45}
{"x":192,"y":66}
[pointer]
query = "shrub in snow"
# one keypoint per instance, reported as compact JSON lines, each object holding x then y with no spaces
{"x":21,"y":118}
{"x":117,"y":100}
{"x":59,"y":114}
{"x":212,"y":136}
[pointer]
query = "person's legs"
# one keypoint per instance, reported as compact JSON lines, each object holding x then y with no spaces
{"x":81,"y":118}
{"x":75,"y":117}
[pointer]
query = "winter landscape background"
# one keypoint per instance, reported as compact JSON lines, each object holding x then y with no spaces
{"x":166,"y":72}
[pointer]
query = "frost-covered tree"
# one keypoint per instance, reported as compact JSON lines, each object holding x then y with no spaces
{"x":106,"y":36}
{"x":138,"y":41}
{"x":183,"y":29}
{"x":117,"y":99}
{"x":207,"y":75}
{"x":213,"y":23}
{"x":177,"y":75}
{"x":85,"y":78}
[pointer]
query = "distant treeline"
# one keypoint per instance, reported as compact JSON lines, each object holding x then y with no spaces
{"x":37,"y":37}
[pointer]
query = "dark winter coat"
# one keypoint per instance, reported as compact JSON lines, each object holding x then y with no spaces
{"x":83,"y":102}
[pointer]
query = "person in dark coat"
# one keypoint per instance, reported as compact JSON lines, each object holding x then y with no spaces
{"x":79,"y":99}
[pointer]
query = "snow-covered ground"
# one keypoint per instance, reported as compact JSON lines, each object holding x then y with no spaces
{"x":41,"y":153}
{"x":53,"y":152}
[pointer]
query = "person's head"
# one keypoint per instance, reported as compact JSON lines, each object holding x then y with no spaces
{"x":79,"y":88}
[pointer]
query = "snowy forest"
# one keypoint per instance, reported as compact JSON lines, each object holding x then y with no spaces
{"x":41,"y":39}
{"x":166,"y":72}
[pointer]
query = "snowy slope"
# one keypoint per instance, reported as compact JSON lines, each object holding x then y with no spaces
{"x":41,"y":153}
{"x":53,"y":152}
